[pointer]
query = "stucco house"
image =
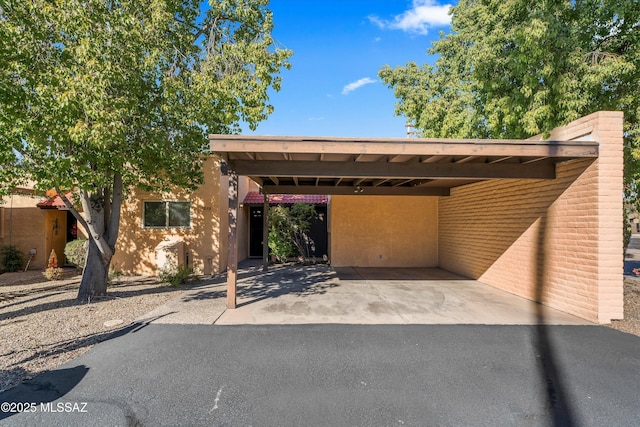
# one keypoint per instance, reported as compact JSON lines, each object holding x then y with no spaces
{"x":539,"y":218}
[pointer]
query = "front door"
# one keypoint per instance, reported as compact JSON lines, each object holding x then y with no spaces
{"x":255,"y":232}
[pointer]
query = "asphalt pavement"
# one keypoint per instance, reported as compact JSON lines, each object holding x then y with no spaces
{"x":339,"y":375}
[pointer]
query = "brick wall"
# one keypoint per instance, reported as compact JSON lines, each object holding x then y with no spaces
{"x":554,"y":241}
{"x":384,"y":231}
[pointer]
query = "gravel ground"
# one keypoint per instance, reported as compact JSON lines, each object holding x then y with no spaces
{"x":43,"y":325}
{"x":631,"y":322}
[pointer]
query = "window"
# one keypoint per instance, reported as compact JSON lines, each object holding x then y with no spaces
{"x":167,"y":214}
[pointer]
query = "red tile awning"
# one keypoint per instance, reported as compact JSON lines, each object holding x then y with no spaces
{"x":253,"y":198}
{"x":54,"y":202}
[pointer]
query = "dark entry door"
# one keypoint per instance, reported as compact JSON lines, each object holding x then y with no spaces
{"x":255,"y":231}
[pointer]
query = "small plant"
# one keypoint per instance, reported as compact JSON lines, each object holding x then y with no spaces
{"x":114,"y":276}
{"x":12,"y":259}
{"x":53,"y":273}
{"x":76,"y":253}
{"x":176,"y":276}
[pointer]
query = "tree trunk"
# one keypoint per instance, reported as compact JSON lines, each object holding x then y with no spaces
{"x":95,"y":274}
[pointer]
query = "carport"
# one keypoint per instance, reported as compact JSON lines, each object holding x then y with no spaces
{"x":539,"y":218}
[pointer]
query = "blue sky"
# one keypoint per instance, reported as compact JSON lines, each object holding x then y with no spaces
{"x":332,"y":88}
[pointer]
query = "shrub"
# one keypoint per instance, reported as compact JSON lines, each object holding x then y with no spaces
{"x":176,"y":276}
{"x":76,"y":253}
{"x":53,"y":273}
{"x":288,"y":231}
{"x":12,"y":259}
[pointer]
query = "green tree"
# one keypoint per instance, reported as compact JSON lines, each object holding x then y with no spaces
{"x":100,"y":96}
{"x":289,"y":230}
{"x":515,"y":68}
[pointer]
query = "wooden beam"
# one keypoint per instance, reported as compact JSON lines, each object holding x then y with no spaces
{"x":232,"y":255}
{"x":364,"y":190}
{"x":310,"y":169}
{"x":396,"y":159}
{"x":436,"y":159}
{"x":258,"y":180}
{"x":501,"y":159}
{"x":537,"y":159}
{"x":466,"y":159}
{"x":402,"y":146}
{"x":265,"y":232}
{"x":401,"y":182}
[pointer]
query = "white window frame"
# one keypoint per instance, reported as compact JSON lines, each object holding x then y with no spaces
{"x":166,"y":217}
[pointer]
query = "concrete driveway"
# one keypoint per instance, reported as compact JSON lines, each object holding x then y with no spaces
{"x":323,"y":294}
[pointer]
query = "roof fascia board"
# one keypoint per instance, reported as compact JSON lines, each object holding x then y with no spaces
{"x":311,"y":169}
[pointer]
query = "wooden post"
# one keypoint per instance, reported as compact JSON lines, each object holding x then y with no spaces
{"x":232,"y":258}
{"x":265,"y":233}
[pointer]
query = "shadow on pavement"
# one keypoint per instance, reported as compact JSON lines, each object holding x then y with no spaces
{"x":279,"y":280}
{"x":558,"y":399}
{"x":51,"y":385}
{"x":44,"y":388}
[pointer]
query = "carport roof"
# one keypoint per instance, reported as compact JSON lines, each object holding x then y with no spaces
{"x":389,"y":166}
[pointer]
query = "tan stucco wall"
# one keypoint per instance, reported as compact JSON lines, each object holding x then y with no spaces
{"x":23,"y":225}
{"x":205,"y":240}
{"x":383,"y":231}
{"x":557,"y":241}
{"x":135,"y":249}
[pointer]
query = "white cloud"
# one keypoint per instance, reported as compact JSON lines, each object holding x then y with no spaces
{"x":357,"y":84}
{"x":423,"y":15}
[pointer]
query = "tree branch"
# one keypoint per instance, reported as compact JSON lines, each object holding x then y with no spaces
{"x":73,"y":210}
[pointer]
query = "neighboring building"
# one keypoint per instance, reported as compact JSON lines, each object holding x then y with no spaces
{"x":28,"y":222}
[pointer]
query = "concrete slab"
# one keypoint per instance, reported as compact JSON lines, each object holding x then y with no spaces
{"x":321,"y":294}
{"x":199,"y":306}
{"x":202,"y":306}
